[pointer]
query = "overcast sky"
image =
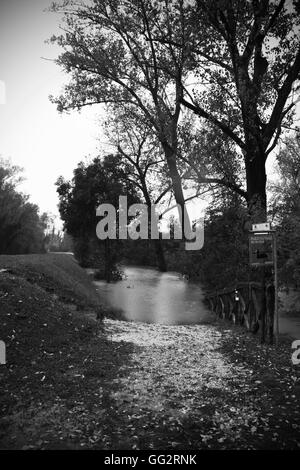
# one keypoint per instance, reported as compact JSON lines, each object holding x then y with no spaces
{"x":32,"y":133}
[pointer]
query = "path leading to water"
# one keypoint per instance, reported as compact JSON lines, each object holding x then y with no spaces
{"x":187,"y":387}
{"x":178,"y":374}
{"x":150,"y":386}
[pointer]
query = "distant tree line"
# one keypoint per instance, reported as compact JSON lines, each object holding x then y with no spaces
{"x":58,"y":241}
{"x":21,"y":225}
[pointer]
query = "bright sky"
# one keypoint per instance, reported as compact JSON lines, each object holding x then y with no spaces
{"x":32,"y":133}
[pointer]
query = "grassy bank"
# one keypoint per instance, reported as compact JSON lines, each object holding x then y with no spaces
{"x":55,"y":360}
{"x":57,"y":274}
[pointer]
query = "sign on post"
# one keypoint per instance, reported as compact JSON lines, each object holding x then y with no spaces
{"x":264,"y":227}
{"x":263,"y":252}
{"x":261,"y":249}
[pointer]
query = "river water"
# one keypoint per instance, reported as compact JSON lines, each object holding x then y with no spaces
{"x":149,"y":296}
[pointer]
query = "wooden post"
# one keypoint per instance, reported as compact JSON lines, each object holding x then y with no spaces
{"x":263,"y":305}
{"x":276,"y":291}
{"x":107,"y":260}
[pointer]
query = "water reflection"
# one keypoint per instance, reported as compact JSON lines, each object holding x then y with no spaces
{"x":150,"y":296}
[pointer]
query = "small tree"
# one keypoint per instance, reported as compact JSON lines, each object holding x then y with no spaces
{"x":101,"y":181}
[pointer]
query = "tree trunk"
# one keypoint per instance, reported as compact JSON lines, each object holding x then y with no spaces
{"x":256,"y":185}
{"x":160,"y":256}
{"x":270,"y":301}
{"x":263,"y":306}
{"x":257,"y":207}
{"x":177,"y":188}
{"x":107,"y":261}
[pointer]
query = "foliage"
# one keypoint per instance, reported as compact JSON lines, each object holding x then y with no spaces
{"x":101,"y":181}
{"x":246,"y":57}
{"x":21,"y":226}
{"x":111,"y":57}
{"x":234,"y":64}
{"x":58,"y":241}
{"x":285,"y":210}
{"x":223,"y":261}
{"x":140,"y":151}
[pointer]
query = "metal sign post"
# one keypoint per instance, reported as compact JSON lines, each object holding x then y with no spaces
{"x":263,"y":252}
{"x":276,"y":291}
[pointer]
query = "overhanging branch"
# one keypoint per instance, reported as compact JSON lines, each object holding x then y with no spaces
{"x":202,"y":113}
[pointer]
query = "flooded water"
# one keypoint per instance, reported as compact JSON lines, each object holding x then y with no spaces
{"x":150,"y":296}
{"x":289,"y":326}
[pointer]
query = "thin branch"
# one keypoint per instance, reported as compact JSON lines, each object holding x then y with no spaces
{"x":219,"y":181}
{"x":278,"y":132}
{"x":283,"y":95}
{"x":202,"y":113}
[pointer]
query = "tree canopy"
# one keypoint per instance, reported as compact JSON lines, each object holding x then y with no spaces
{"x":235,"y":64}
{"x":21,"y":226}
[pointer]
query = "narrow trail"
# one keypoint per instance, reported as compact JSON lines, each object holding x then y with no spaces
{"x":180,"y":390}
{"x":125,"y":385}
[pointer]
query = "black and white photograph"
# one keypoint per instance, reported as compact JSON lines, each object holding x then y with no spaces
{"x":149,"y":228}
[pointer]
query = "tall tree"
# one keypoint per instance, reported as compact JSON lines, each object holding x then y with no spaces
{"x":248,"y":64}
{"x":111,"y":57}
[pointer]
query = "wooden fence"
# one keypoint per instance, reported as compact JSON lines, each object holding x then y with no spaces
{"x":246,"y":304}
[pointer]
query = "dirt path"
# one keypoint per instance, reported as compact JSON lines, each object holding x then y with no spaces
{"x":178,"y":374}
{"x":120,"y":385}
{"x":182,"y":389}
